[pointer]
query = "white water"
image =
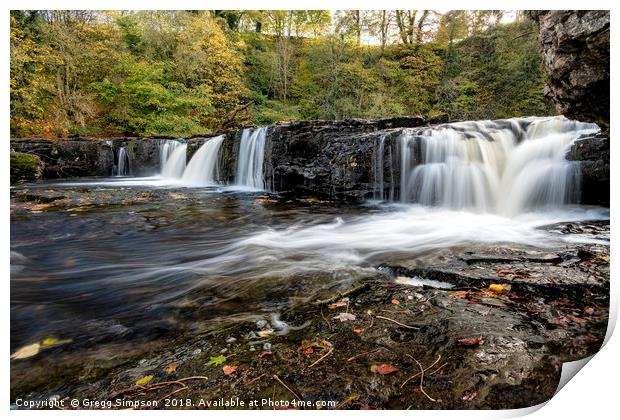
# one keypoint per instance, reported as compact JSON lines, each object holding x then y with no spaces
{"x":173,"y":157}
{"x":251,"y":158}
{"x":122,"y":168}
{"x":204,"y":168}
{"x":492,"y":166}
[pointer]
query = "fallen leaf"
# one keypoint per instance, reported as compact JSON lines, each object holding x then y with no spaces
{"x":229,"y":370}
{"x":49,"y":341}
{"x":344,"y":316}
{"x":497,"y":288}
{"x":264,"y":333}
{"x":265,"y":354}
{"x":357,"y":330}
{"x":216,"y":360}
{"x":469,"y":342}
{"x":383,"y":369}
{"x":337,"y":304}
{"x":144,"y":380}
{"x":171,"y":369}
{"x":27,"y":351}
{"x":395,"y":302}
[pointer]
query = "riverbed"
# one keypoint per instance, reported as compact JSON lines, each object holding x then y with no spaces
{"x":116,"y":268}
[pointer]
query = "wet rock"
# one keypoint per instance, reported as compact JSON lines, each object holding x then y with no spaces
{"x":25,"y":167}
{"x":69,"y":158}
{"x":593,"y":155}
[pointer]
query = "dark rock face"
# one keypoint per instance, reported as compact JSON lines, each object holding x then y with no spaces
{"x":593,"y":154}
{"x":25,"y":167}
{"x":333,"y":158}
{"x":575,"y":49}
{"x":69,"y":158}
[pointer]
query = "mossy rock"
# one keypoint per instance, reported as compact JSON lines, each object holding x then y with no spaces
{"x":25,"y":167}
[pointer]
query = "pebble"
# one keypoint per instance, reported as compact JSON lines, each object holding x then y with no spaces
{"x":197,"y":352}
{"x":267,"y":347}
{"x":231,"y":339}
{"x":251,"y":336}
{"x":252,"y":348}
{"x":261,"y":324}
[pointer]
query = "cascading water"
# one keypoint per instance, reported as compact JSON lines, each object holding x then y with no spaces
{"x":251,"y":158}
{"x":204,"y":167}
{"x":172,"y":157}
{"x":123,"y":166}
{"x":506,"y":166}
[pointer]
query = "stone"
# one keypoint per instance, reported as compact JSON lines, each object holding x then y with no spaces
{"x":25,"y":167}
{"x":575,"y":51}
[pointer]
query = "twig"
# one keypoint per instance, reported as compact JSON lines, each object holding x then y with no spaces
{"x":329,"y":324}
{"x":254,"y":380}
{"x":439,"y":368}
{"x":287,"y":387}
{"x":350,"y":359}
{"x":173,"y":392}
{"x":418,"y":374}
{"x":322,"y":357}
{"x":396,"y":322}
{"x":422,"y":381}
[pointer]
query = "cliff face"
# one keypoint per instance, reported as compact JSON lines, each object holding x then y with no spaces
{"x":575,"y":51}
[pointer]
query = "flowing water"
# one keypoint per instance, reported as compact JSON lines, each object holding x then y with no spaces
{"x":204,"y":168}
{"x":506,"y":167}
{"x":153,"y":258}
{"x":123,"y":165}
{"x":172,"y":159}
{"x":251,"y":158}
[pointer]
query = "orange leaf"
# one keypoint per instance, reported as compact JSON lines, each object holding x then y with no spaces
{"x":383,"y":369}
{"x":337,"y":305}
{"x":171,"y":369}
{"x":357,"y":330}
{"x":265,"y":354}
{"x":469,"y":342}
{"x":395,"y":301}
{"x":228,"y":369}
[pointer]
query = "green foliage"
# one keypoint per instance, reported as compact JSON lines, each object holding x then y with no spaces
{"x":145,"y":101}
{"x":217,"y":360}
{"x":180,"y":72}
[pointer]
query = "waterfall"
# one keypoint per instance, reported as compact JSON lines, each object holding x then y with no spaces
{"x":251,"y":158}
{"x":204,"y":167}
{"x":123,"y":165}
{"x":172,"y":158}
{"x":505,"y":166}
{"x":378,"y":164}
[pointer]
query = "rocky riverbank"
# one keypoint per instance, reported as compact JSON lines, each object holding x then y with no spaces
{"x":469,"y":327}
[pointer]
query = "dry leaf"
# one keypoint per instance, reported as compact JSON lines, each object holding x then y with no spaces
{"x":344,"y":316}
{"x":357,"y":330}
{"x":144,"y":380}
{"x":469,"y":342}
{"x":229,"y":370}
{"x":265,"y":354}
{"x":395,"y":302}
{"x":337,"y":304}
{"x":27,"y":351}
{"x":264,"y":333}
{"x":383,"y":369}
{"x":171,"y":369}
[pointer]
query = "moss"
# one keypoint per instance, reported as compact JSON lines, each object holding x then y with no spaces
{"x":25,"y":167}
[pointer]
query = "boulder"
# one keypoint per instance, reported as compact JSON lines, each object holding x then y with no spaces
{"x":575,"y":50}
